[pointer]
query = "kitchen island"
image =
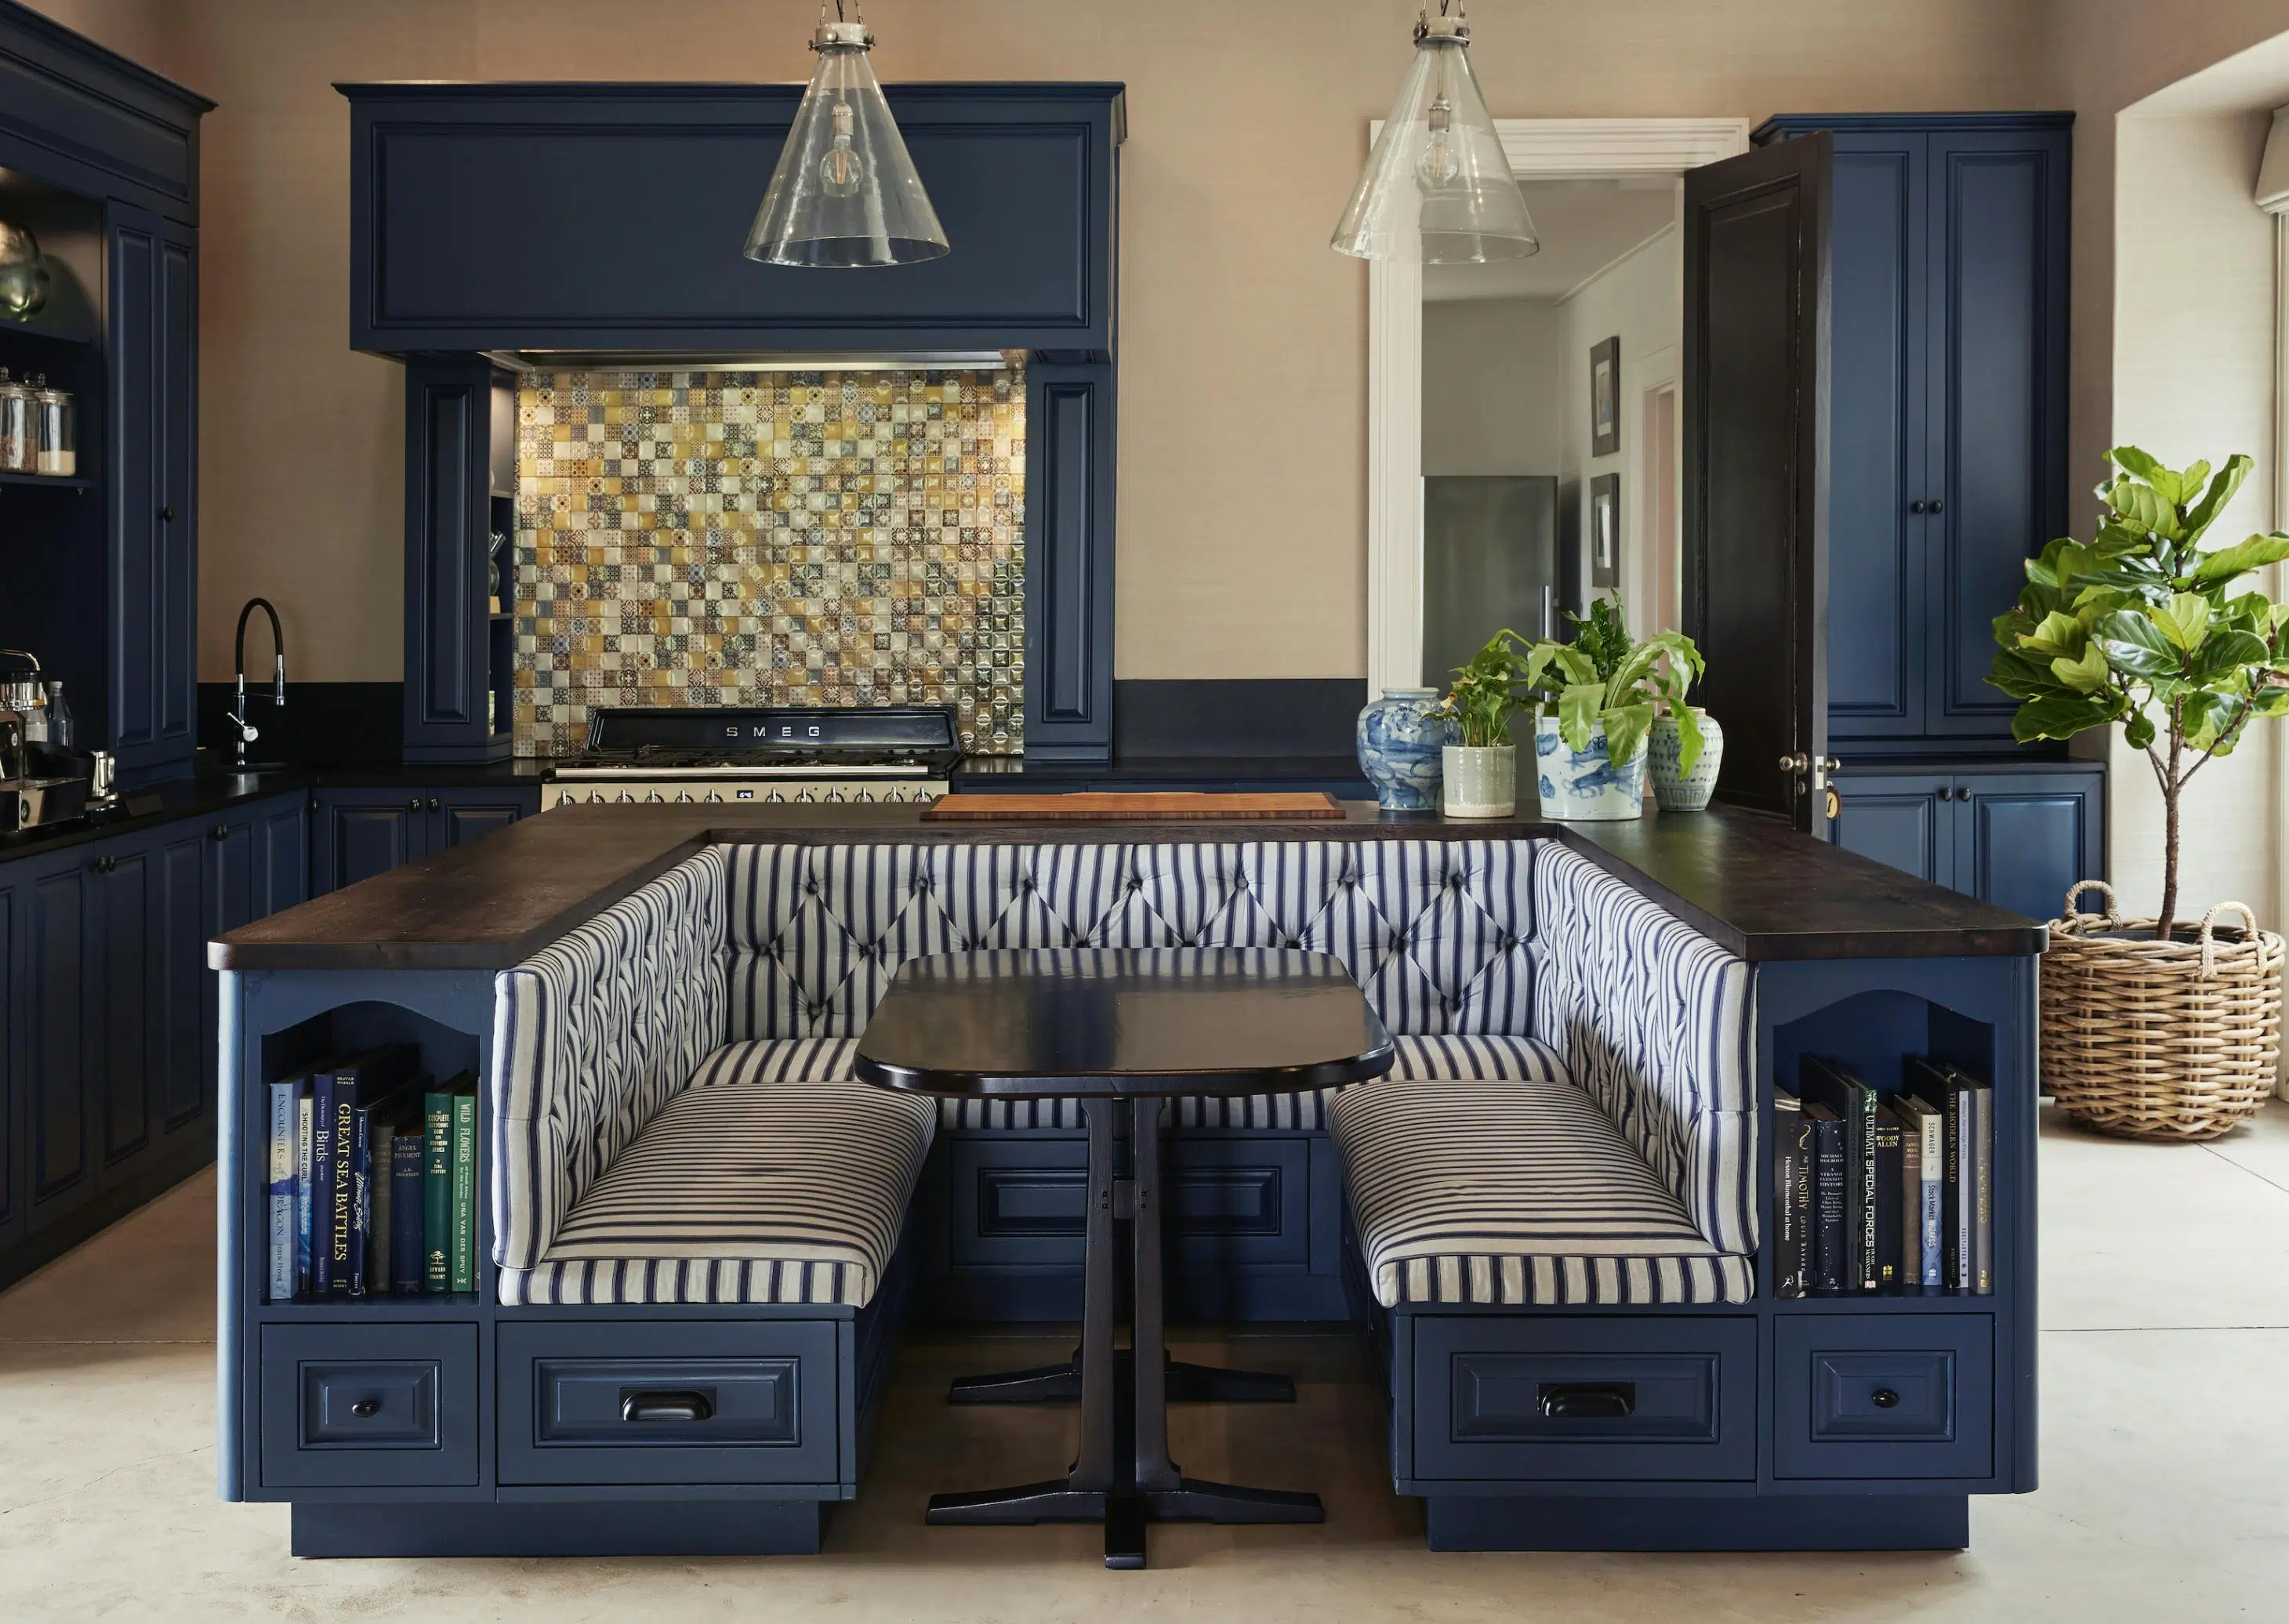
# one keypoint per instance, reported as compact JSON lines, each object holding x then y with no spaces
{"x":1751,"y":1418}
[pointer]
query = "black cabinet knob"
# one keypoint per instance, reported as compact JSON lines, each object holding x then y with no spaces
{"x":1884,"y":1398}
{"x":106,"y":864}
{"x":413,"y":805}
{"x":1938,"y":506}
{"x":1918,"y":506}
{"x":221,"y":831}
{"x":366,"y":1409}
{"x":435,"y":803}
{"x":167,"y":515}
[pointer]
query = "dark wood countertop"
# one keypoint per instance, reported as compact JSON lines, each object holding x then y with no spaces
{"x":1750,"y":884}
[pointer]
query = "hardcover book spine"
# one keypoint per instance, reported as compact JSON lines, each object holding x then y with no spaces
{"x":437,"y":1192}
{"x":285,"y":1152}
{"x":1831,"y":1239}
{"x":323,"y":1212}
{"x":1962,"y":1190}
{"x":465,"y":1192}
{"x":1792,"y":1211}
{"x":1911,"y":1196}
{"x":407,"y":1153}
{"x":305,"y":1125}
{"x":1982,"y":1102}
{"x":1863,"y":1211}
{"x":1889,"y":1204}
{"x":382,"y":1136}
{"x":1933,"y":1126}
{"x":355,"y":1133}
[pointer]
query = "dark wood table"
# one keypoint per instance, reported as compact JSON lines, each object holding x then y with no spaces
{"x":1119,"y":1030}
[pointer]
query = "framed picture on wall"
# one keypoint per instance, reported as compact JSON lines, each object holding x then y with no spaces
{"x":1606,"y":397}
{"x":1606,"y":531}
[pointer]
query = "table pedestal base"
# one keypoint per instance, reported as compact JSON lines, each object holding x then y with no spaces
{"x":1122,"y":1476}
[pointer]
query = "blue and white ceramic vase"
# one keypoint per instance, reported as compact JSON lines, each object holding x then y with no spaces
{"x":1399,"y":745}
{"x":1582,"y":785}
{"x":1676,"y":790}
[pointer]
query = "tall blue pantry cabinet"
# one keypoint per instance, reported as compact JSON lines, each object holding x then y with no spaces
{"x":1947,"y":446}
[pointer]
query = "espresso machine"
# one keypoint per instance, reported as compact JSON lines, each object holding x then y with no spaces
{"x":41,"y":781}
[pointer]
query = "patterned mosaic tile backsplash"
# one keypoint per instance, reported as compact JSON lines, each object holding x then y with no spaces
{"x":839,"y":538}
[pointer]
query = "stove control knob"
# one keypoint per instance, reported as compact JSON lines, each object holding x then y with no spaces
{"x":682,"y":796}
{"x":775,"y":797}
{"x":804,"y":797}
{"x":714,"y":796}
{"x":655,"y":796}
{"x":836,"y":796}
{"x":868,"y":794}
{"x":626,"y":795}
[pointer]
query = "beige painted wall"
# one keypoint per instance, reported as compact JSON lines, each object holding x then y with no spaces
{"x":1242,"y":503}
{"x":1492,"y":393}
{"x":2193,"y":377}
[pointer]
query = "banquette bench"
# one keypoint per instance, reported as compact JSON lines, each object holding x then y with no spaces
{"x":1547,"y":1216}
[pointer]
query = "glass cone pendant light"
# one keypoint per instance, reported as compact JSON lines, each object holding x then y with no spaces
{"x":845,"y":193}
{"x":1437,"y":187}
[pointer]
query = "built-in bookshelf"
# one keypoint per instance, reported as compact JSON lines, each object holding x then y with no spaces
{"x":364,"y":1133}
{"x":1890,"y":1183}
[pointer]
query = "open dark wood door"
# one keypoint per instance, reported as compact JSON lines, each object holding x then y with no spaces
{"x":1756,"y":467}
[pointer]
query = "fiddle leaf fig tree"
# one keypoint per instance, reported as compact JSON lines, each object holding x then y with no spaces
{"x":2142,"y":626}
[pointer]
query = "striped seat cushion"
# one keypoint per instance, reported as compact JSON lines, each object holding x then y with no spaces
{"x":1515,"y":1191}
{"x":754,"y":1184}
{"x":1418,"y":1060}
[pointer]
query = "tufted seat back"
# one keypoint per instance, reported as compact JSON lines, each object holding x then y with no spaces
{"x":1438,"y":932}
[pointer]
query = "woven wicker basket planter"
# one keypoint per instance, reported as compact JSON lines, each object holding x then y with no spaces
{"x":2176,"y":1040}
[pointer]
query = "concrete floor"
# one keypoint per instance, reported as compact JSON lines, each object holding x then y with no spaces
{"x":2165,"y":1462}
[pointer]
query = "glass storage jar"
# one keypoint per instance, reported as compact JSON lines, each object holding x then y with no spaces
{"x":16,"y":434}
{"x":57,"y":452}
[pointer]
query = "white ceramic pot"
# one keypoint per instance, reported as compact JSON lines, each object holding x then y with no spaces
{"x":1479,"y":781}
{"x":1583,"y":785}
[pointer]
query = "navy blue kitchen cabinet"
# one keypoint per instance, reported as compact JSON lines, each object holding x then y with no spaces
{"x":357,"y":833}
{"x":108,"y":1015}
{"x":2018,"y":837}
{"x":99,"y":578}
{"x":1947,"y":433}
{"x":1021,"y":176}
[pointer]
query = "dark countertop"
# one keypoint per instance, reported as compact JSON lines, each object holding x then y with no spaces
{"x":1748,"y":883}
{"x":1338,"y":774}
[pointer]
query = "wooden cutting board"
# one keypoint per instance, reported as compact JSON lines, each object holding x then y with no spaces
{"x":1146,"y":808}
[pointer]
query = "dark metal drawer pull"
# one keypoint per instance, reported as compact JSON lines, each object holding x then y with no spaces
{"x":1588,"y":1400}
{"x":1884,"y":1398}
{"x":641,"y":1404}
{"x":366,"y":1409}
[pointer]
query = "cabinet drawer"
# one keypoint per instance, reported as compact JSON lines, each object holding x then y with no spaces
{"x":360,"y":1406}
{"x":1571,"y":1399}
{"x":1894,"y":1395}
{"x":1230,"y":1199}
{"x":669,"y":1401}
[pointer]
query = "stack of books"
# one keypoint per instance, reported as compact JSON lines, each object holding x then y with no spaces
{"x":1876,"y":1193}
{"x":373,"y":1180}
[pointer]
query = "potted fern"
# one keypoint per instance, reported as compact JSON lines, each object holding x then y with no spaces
{"x":2155,"y":1028}
{"x":1595,"y":699}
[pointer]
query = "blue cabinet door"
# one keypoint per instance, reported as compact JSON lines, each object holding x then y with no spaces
{"x":1998,"y":241}
{"x":459,"y":816}
{"x":358,"y":833}
{"x":1878,"y":417}
{"x":182,"y":1065}
{"x":126,"y":1023}
{"x":2024,"y":838}
{"x":13,"y":981}
{"x":1903,"y":820}
{"x":60,"y":1063}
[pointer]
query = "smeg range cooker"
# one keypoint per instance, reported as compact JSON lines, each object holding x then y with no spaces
{"x":706,"y":753}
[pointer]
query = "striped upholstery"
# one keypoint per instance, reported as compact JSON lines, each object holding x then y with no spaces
{"x":592,"y":1036}
{"x":1654,"y":1021}
{"x":750,"y":1186}
{"x":1515,"y":1192}
{"x":1437,"y":933}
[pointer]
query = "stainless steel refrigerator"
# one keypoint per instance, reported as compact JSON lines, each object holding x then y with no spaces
{"x":1489,"y":561}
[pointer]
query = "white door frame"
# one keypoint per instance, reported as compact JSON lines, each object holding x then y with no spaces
{"x":1538,"y":150}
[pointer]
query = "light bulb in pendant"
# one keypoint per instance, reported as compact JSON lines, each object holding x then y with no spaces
{"x":1441,"y":161}
{"x":842,"y":171}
